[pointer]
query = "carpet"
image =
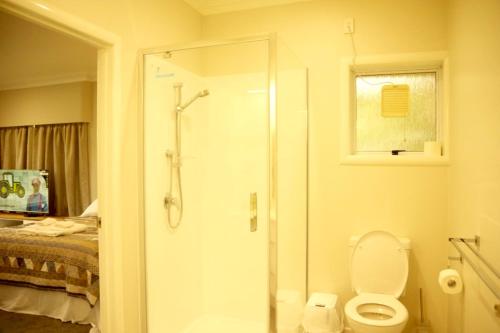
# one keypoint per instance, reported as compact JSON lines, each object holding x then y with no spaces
{"x":22,"y":323}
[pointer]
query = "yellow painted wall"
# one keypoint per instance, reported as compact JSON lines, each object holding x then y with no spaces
{"x":347,"y":200}
{"x":139,"y":24}
{"x":93,"y":146}
{"x":474,"y":179}
{"x":55,"y":104}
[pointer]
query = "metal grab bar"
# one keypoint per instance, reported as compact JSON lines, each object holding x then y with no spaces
{"x":487,"y":264}
{"x":487,"y":281}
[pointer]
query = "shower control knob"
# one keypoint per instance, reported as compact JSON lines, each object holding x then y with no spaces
{"x":168,"y":201}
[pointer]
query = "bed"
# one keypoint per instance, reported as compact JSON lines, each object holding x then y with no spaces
{"x":52,"y":276}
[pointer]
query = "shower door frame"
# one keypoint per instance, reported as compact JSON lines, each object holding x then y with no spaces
{"x":271,"y":40}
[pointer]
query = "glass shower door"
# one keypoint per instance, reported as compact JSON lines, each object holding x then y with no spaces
{"x":207,"y":271}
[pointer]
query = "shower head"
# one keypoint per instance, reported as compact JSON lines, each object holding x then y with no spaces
{"x":201,"y":93}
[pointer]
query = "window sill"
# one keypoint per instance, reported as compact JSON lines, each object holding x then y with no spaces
{"x":415,"y":159}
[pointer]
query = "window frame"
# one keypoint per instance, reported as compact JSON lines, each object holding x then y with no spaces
{"x":392,"y":64}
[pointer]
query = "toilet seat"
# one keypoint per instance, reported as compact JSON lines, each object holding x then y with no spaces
{"x":400,"y":314}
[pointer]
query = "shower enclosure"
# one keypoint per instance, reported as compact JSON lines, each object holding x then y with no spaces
{"x":225,"y":186}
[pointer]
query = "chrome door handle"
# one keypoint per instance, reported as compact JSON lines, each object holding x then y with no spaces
{"x":253,"y":212}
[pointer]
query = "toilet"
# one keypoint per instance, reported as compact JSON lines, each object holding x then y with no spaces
{"x":379,"y":272}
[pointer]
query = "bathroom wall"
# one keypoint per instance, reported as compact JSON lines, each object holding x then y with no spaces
{"x":139,"y":24}
{"x":346,"y":200}
{"x":292,"y":183}
{"x":474,"y":178}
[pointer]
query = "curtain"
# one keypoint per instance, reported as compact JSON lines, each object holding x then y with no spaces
{"x":13,"y":147}
{"x":60,"y":149}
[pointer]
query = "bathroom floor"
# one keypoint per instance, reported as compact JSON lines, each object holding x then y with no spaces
{"x":221,"y":324}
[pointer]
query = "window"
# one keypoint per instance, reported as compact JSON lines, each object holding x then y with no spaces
{"x":394,"y":103}
{"x":377,"y":131}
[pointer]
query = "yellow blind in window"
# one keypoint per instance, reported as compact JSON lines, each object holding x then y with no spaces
{"x":395,"y":100}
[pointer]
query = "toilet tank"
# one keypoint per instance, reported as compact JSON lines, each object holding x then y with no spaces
{"x":353,"y":241}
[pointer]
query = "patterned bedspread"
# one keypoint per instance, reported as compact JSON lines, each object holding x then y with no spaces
{"x":66,"y":263}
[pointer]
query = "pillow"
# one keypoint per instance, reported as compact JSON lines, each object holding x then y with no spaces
{"x":91,"y":210}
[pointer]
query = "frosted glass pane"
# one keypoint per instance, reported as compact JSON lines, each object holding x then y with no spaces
{"x":375,"y":133}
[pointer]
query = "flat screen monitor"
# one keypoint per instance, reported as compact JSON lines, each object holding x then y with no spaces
{"x":24,"y":191}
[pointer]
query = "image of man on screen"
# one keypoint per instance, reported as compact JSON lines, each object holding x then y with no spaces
{"x":37,"y":202}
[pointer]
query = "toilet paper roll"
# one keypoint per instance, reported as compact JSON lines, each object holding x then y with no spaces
{"x":450,"y":281}
{"x":432,"y":148}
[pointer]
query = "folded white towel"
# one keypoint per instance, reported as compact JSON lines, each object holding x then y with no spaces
{"x":52,"y":230}
{"x":47,"y":221}
{"x":64,"y":224}
{"x":90,"y":221}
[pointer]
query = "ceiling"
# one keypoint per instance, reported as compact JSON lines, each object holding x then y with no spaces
{"x":209,"y":7}
{"x":32,"y":56}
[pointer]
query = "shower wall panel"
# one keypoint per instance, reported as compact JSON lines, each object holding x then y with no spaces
{"x":173,"y":259}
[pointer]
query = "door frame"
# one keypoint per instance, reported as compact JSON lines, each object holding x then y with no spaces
{"x":271,"y":39}
{"x":109,"y":120}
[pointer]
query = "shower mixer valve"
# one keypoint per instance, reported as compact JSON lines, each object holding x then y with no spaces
{"x":169,"y":200}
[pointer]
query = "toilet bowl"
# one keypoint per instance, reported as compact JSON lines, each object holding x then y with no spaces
{"x":379,"y":272}
{"x":376,"y":313}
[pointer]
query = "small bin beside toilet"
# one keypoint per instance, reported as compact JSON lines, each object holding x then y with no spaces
{"x":323,"y":314}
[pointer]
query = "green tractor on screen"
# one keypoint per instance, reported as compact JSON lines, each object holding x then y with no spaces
{"x":8,"y":185}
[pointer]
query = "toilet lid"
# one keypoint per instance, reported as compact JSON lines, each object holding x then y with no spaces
{"x":379,"y":265}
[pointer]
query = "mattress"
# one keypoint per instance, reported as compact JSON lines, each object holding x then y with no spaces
{"x":68,"y":264}
{"x":52,"y":304}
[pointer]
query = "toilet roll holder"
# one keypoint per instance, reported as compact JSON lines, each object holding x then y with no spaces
{"x":457,"y":258}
